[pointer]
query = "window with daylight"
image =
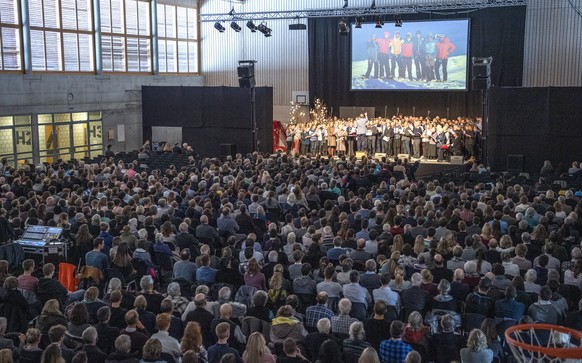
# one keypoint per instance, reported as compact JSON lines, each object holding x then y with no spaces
{"x":61,"y":35}
{"x":10,"y":57}
{"x":126,"y":35}
{"x":178,"y":39}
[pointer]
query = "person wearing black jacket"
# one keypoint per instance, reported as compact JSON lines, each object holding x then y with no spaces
{"x":202,"y":317}
{"x":106,"y":333}
{"x":446,"y":345}
{"x":6,"y":231}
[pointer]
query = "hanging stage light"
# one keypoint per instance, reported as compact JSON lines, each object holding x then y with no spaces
{"x":358,"y":23}
{"x":379,"y":23}
{"x":264,"y":29}
{"x":252,"y":26}
{"x":219,"y":27}
{"x":344,"y":27}
{"x":235,"y":26}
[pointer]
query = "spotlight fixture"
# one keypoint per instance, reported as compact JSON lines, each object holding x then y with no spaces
{"x":231,"y":12}
{"x":264,"y":29}
{"x":219,"y":27}
{"x":344,"y":27}
{"x":235,"y":26}
{"x":379,"y":23}
{"x":252,"y":26}
{"x":358,"y":23}
{"x":345,"y":4}
{"x":398,"y":22}
{"x":373,"y":6}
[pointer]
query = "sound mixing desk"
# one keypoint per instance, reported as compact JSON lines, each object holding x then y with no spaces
{"x":44,"y":241}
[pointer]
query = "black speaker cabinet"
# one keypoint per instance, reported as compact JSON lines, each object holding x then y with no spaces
{"x":481,"y":70}
{"x":246,"y":71}
{"x":481,"y":83}
{"x":247,"y":82}
{"x":227,"y":149}
{"x":515,"y":163}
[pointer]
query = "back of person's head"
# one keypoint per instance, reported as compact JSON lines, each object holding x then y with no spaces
{"x":228,"y":358}
{"x":396,"y":329}
{"x":163,"y":321}
{"x":354,"y":276}
{"x":56,"y":333}
{"x":413,"y":357}
{"x":152,"y":350}
{"x":324,"y":325}
{"x":104,"y":314}
{"x":329,"y":352}
{"x":289,"y":346}
{"x":448,"y":323}
{"x":543,"y":260}
{"x":140,"y":302}
{"x":510,"y":292}
{"x":222,"y":330}
{"x":89,"y":336}
{"x":123,"y":343}
{"x":545,"y":293}
{"x":131,"y":317}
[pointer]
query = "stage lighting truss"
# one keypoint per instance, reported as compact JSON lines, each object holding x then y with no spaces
{"x":264,"y":29}
{"x":344,"y":27}
{"x":348,"y":12}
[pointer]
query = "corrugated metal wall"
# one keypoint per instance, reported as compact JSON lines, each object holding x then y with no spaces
{"x":553,"y":44}
{"x":283,"y":59}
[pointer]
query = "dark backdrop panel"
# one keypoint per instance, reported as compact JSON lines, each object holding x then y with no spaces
{"x":539,"y":123}
{"x":496,"y":32}
{"x":210,"y":116}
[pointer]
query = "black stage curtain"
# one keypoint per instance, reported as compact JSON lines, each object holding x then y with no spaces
{"x":496,"y":32}
{"x":210,"y":116}
{"x":537,"y":123}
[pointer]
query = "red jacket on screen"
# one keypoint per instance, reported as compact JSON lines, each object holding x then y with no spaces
{"x":407,"y":48}
{"x":444,"y":48}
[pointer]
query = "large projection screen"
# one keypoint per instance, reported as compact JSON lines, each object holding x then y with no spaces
{"x":418,"y":56}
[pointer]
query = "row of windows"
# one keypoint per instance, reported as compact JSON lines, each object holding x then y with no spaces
{"x":62,"y":37}
{"x":59,"y":136}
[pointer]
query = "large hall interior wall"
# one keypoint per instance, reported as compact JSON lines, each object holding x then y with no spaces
{"x":552,"y":47}
{"x":118,"y":97}
{"x":553,"y":44}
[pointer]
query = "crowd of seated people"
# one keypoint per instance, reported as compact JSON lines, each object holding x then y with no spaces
{"x":270,"y":258}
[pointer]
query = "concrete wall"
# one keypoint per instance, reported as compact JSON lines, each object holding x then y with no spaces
{"x":117,"y":96}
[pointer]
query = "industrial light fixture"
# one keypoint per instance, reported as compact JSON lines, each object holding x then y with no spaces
{"x":379,"y":23}
{"x":373,"y":6}
{"x":219,"y":27}
{"x":252,"y":26}
{"x":345,"y":4}
{"x":297,"y":25}
{"x":358,"y":23}
{"x":398,"y":21}
{"x":264,"y":29}
{"x":344,"y":27}
{"x":235,"y":26}
{"x":231,"y":12}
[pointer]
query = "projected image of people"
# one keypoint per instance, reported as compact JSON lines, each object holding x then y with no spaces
{"x":429,"y":55}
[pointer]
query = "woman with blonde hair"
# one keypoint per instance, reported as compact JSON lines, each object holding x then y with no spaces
{"x":427,"y":282}
{"x":29,"y":350}
{"x":257,"y":351}
{"x":486,"y":234}
{"x":6,"y":356}
{"x":369,"y":355}
{"x":397,"y":244}
{"x":419,"y":245}
{"x":278,"y":288}
{"x":192,"y":341}
{"x":50,"y":316}
{"x":398,"y":283}
{"x":476,"y":351}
